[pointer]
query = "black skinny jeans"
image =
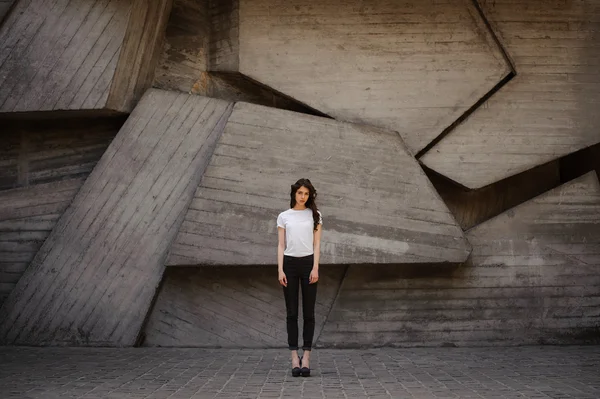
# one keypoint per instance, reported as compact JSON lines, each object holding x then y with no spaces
{"x":297,"y":272}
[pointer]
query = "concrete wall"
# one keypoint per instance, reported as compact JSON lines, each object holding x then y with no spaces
{"x":200,"y":56}
{"x":42,"y":166}
{"x":5,"y":7}
{"x":547,"y":111}
{"x":533,"y":278}
{"x":409,"y":66}
{"x":230,"y":307}
{"x":376,"y":209}
{"x":184,"y":55}
{"x":497,"y":98}
{"x":27,"y":216}
{"x":93,"y":280}
{"x":88,"y":55}
{"x":472,"y":207}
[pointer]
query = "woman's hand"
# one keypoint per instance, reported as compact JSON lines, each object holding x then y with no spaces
{"x":314,"y":276}
{"x":282,"y":278}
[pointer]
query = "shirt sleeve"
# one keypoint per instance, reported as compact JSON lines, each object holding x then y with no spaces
{"x":320,"y":217}
{"x":280,"y":222}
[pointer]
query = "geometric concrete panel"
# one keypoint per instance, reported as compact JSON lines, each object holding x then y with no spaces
{"x":410,"y":66}
{"x":230,"y":307}
{"x":84,"y":55}
{"x":93,"y":280}
{"x":27,"y":216}
{"x":533,"y":277}
{"x":378,"y":205}
{"x":549,"y":110}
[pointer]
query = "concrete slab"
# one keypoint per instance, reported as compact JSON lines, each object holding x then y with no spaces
{"x":93,"y":280}
{"x":548,"y":110}
{"x":533,"y":276}
{"x":88,"y":55}
{"x":377,"y":203}
{"x":409,"y":66}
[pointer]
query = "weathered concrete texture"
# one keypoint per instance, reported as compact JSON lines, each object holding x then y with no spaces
{"x":236,"y":87}
{"x":534,"y":277}
{"x":225,"y":307}
{"x":5,"y":7}
{"x":85,"y":55}
{"x":93,"y":280}
{"x":201,"y":36}
{"x":378,"y":206}
{"x":411,"y":66}
{"x":548,"y":110}
{"x":41,"y":151}
{"x":27,"y":216}
{"x":43,"y":164}
{"x":471,"y":207}
{"x":185,"y":50}
{"x":196,"y":43}
{"x":224,"y":43}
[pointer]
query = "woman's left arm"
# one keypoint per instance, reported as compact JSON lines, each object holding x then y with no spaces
{"x":314,"y":274}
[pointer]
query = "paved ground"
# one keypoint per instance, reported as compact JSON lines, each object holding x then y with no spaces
{"x":526,"y":372}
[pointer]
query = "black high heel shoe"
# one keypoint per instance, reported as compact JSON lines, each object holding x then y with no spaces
{"x":304,"y":371}
{"x":297,"y":371}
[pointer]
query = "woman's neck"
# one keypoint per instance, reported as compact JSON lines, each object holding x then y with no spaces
{"x":299,"y":208}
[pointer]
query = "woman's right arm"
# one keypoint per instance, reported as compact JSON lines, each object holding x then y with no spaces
{"x":280,"y":250}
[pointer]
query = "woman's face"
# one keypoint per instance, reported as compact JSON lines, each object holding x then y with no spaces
{"x":302,"y":196}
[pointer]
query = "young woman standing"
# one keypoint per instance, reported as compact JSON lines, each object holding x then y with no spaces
{"x":299,"y":231}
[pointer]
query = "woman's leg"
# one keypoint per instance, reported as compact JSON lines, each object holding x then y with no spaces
{"x":290,"y":294}
{"x":309,"y":298}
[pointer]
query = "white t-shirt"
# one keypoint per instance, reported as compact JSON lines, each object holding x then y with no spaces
{"x":299,"y":231}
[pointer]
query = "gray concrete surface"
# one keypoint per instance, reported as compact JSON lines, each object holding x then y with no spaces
{"x":525,"y":372}
{"x":547,"y":111}
{"x":93,"y":280}
{"x":409,"y":66}
{"x":84,"y":55}
{"x":377,"y":203}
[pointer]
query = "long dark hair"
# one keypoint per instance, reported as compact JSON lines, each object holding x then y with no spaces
{"x":311,"y":202}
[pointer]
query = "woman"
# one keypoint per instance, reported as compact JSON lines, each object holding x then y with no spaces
{"x":299,"y":231}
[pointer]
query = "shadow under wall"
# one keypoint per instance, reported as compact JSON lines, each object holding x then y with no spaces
{"x":473,"y":207}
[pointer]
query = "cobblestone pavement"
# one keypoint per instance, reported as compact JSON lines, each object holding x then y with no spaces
{"x":524,"y":372}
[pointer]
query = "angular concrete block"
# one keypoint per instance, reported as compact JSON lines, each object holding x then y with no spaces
{"x":548,"y":110}
{"x":533,"y":277}
{"x":84,"y":55}
{"x":377,"y":203}
{"x":93,"y":280}
{"x":411,"y":66}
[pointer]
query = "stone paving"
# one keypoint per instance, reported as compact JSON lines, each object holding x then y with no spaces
{"x":523,"y":372}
